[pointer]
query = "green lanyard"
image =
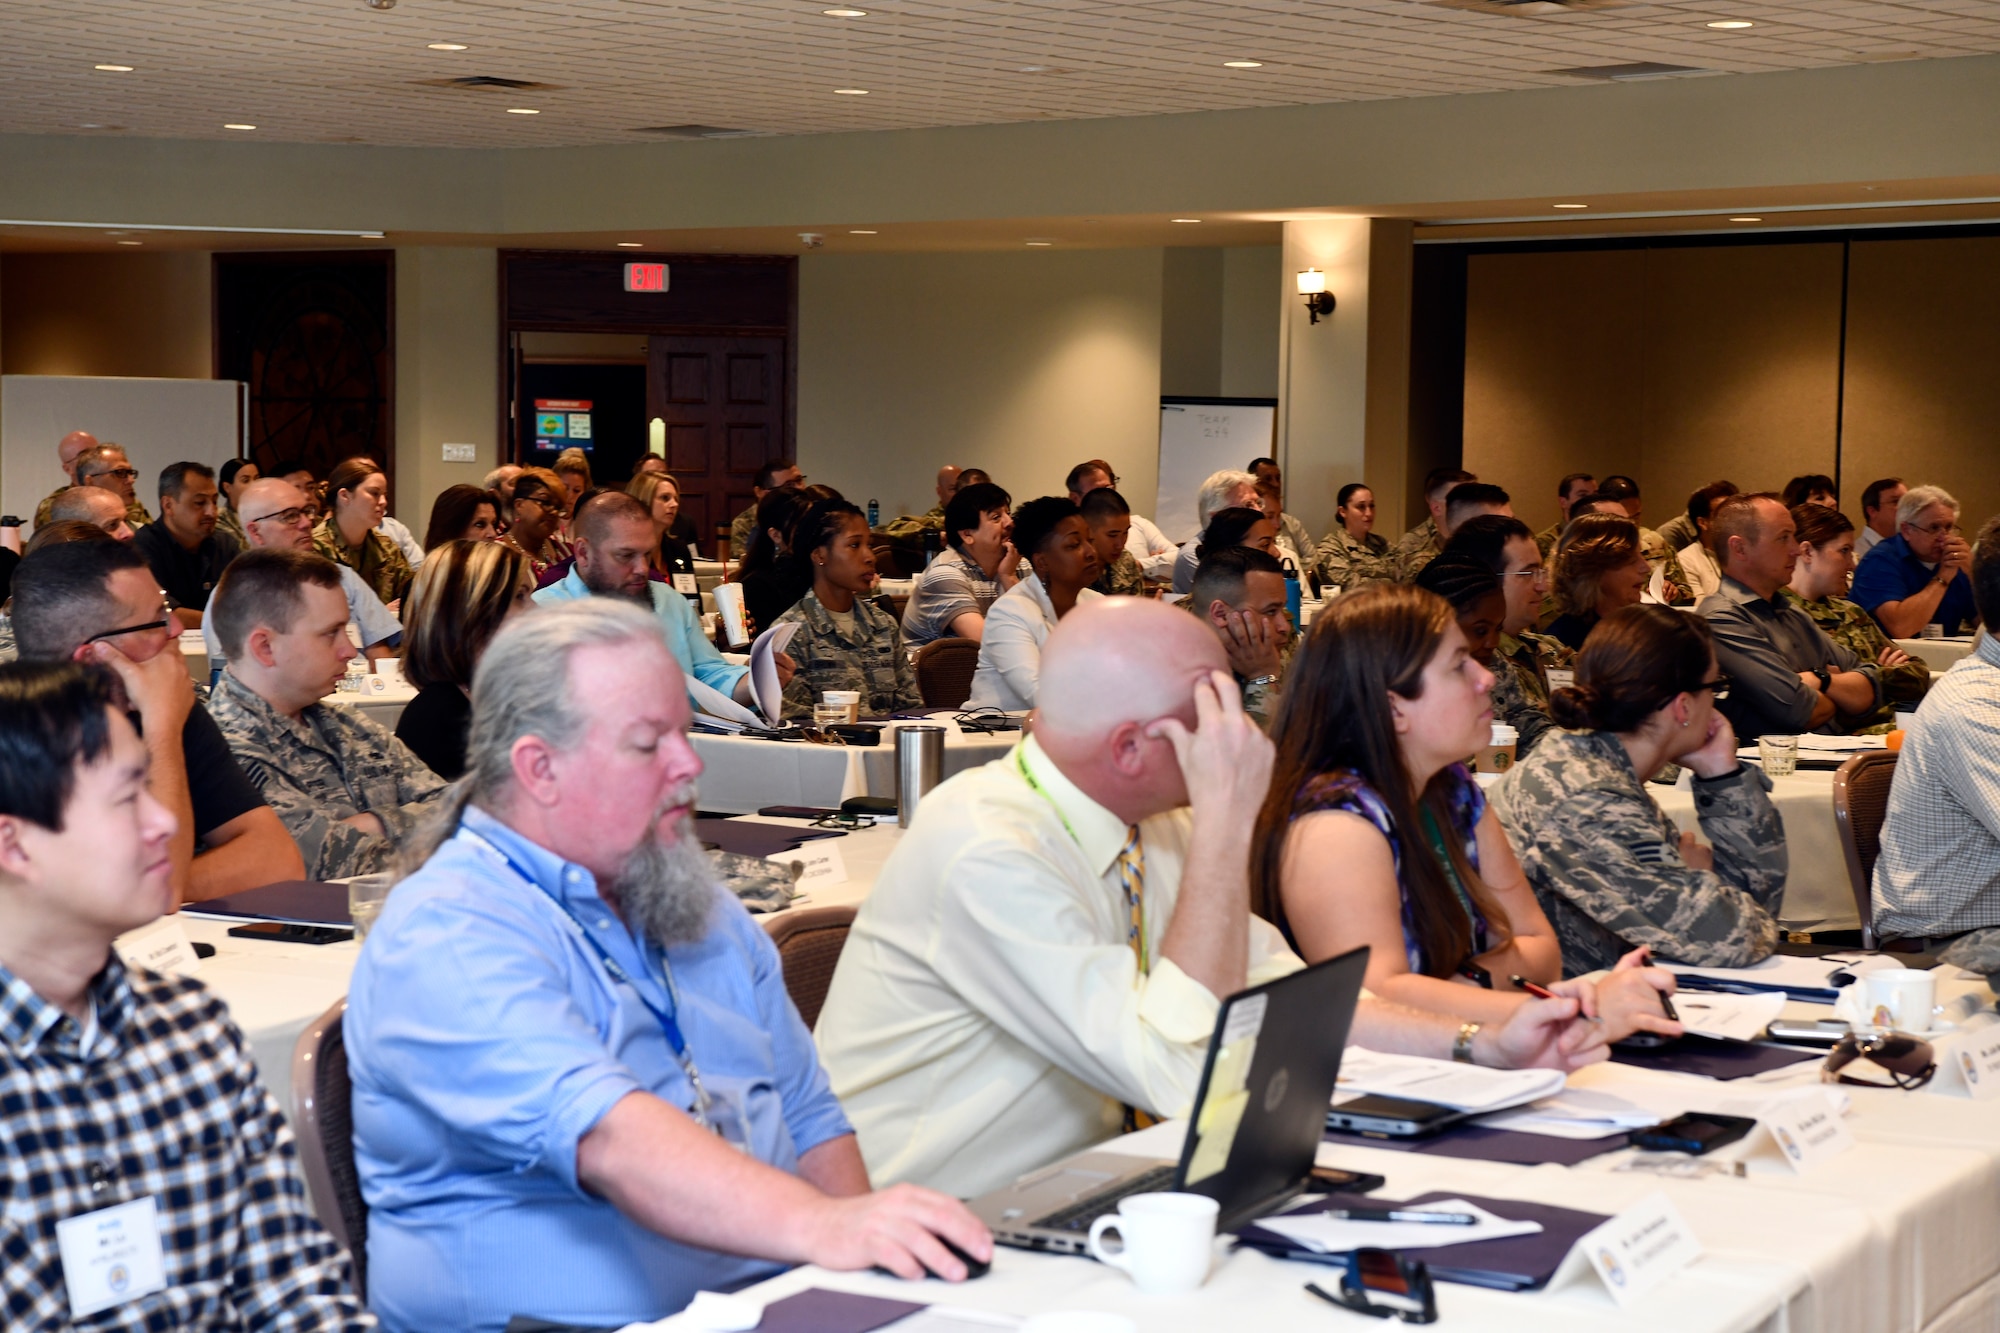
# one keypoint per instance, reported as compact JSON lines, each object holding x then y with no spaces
{"x":1133,"y":902}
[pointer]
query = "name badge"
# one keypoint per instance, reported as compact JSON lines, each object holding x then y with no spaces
{"x":1561,"y":678}
{"x":112,"y":1256}
{"x":685,"y":583}
{"x":1976,"y":1060}
{"x":162,"y":947}
{"x":1808,"y":1131}
{"x":823,"y":864}
{"x":1641,"y":1248}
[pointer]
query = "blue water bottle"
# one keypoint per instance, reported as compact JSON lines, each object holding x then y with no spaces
{"x":1292,"y":594}
{"x":874,"y":514}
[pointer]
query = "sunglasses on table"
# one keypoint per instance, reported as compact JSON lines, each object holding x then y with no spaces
{"x":1382,"y":1284}
{"x":1907,"y":1060}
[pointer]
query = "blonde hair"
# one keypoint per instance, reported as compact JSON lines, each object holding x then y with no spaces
{"x":574,"y":460}
{"x":461,"y":595}
{"x":646,"y":486}
{"x":1592,"y":546}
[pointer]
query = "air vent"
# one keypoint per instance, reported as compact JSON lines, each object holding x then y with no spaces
{"x":694,"y":132}
{"x":1638,"y":69}
{"x":1529,"y":9}
{"x":489,"y":81}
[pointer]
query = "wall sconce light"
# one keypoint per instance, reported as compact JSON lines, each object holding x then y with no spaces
{"x":1312,"y":286}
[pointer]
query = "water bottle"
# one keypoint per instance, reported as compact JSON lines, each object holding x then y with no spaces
{"x":1292,"y":594}
{"x":874,"y":514}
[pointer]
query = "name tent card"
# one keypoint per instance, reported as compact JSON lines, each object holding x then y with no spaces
{"x":1808,"y":1131}
{"x":1640,"y":1248}
{"x":162,"y":947}
{"x":823,"y":864}
{"x":1973,"y":1063}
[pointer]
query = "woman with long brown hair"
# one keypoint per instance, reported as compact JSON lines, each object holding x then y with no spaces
{"x":1600,"y":567}
{"x":357,"y":497}
{"x":1374,"y":833}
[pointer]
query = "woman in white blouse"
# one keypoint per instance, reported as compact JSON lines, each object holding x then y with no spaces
{"x":1051,"y":533}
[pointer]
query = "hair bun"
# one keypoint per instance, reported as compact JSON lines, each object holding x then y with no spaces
{"x":1575,"y":707}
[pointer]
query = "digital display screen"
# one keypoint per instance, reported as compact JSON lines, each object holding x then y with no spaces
{"x":561,"y":423}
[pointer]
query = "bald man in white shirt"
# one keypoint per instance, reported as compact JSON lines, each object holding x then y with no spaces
{"x":1051,"y":940}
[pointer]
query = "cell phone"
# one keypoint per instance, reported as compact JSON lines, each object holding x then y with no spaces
{"x":1334,"y":1180}
{"x":1822,"y":1032}
{"x":1392,"y":1117}
{"x":291,"y":932}
{"x":797,"y":811}
{"x":1695,"y":1133}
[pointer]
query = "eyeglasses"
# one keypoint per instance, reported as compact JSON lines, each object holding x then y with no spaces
{"x":1932,"y":530}
{"x":284,"y":518}
{"x":1401,"y":1287}
{"x":166,"y":619}
{"x":1907,"y":1060}
{"x":1538,"y":573}
{"x":542,"y":502}
{"x":1719,"y":687}
{"x":122,"y":473}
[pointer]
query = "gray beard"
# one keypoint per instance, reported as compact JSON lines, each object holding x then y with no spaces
{"x":667,"y":893}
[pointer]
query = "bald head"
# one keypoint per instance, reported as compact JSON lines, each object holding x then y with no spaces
{"x":1109,"y":670}
{"x":74,"y":446}
{"x":93,"y":505}
{"x":261,"y":504}
{"x":947,"y":483}
{"x":605,"y":510}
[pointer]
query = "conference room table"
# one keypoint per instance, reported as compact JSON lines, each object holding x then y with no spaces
{"x":742,"y":775}
{"x":1940,"y":655}
{"x":1818,"y":896}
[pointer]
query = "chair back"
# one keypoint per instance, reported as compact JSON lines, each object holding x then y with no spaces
{"x":323,"y":1123}
{"x":1860,"y":804}
{"x":809,"y":941}
{"x":944,"y":671}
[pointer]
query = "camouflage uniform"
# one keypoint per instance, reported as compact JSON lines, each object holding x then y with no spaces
{"x":1678,"y":590}
{"x":1419,"y":546}
{"x":331,"y":764}
{"x":1605,"y":861}
{"x":135,"y":512}
{"x":1855,"y":630}
{"x":1546,"y":539}
{"x":1521,"y":685}
{"x":378,"y":560}
{"x":910,"y":526}
{"x":1122,"y":578}
{"x":229,"y":521}
{"x":873,"y":661}
{"x":741,"y":528}
{"x":1348,"y":564}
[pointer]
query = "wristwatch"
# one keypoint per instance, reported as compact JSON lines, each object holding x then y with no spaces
{"x":1825,"y":679}
{"x":1461,"y":1049}
{"x":1255,"y":681}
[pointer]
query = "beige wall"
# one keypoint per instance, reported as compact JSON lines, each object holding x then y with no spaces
{"x":1252,"y":314}
{"x":447,"y":372}
{"x":1192,"y":321}
{"x":145,"y":315}
{"x":1923,"y":370}
{"x":1675,"y":366}
{"x":1023,"y":364}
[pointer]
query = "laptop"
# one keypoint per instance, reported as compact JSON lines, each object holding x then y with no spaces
{"x":1258,"y":1116}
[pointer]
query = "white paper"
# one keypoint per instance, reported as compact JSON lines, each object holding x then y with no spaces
{"x":1785,"y":970}
{"x":1332,"y":1235}
{"x":1731,"y":1017}
{"x":1579,"y":1113}
{"x":1640,"y":1248}
{"x":764,"y":687}
{"x":719,"y":705}
{"x":1446,"y":1082}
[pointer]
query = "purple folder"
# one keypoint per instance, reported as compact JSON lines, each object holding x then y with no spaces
{"x":312,"y":901}
{"x":818,"y":1310}
{"x":1715,"y":1057}
{"x":751,"y":839}
{"x":1482,"y":1144}
{"x":1512,"y":1263}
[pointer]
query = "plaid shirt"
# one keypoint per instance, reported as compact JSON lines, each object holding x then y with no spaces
{"x":166,"y":1103}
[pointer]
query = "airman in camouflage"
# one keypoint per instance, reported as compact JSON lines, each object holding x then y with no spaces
{"x":909,"y":526}
{"x":1533,"y":656}
{"x":1512,"y":706}
{"x":1419,"y":546}
{"x":1122,"y":578}
{"x":1677,"y":589}
{"x":331,"y":764}
{"x":870,"y":659}
{"x":1348,"y":564}
{"x":741,"y":529}
{"x":1605,"y":861}
{"x":1855,"y":630}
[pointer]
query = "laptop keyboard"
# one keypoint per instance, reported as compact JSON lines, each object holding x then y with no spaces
{"x":1078,"y":1216}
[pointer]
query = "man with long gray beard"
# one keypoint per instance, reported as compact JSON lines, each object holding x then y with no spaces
{"x":581,"y":1093}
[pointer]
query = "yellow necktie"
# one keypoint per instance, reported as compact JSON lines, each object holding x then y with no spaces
{"x":1132,"y":877}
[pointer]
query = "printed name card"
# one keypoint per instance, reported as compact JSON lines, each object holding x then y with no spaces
{"x":162,"y":947}
{"x":1641,"y":1248}
{"x":823,"y":864}
{"x":1976,"y":1058}
{"x":1561,"y":678}
{"x":1808,"y":1130}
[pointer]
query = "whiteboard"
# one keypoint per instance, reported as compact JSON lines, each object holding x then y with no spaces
{"x":159,"y":421}
{"x":1200,"y":436}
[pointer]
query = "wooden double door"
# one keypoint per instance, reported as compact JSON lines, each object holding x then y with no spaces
{"x":723,"y":401}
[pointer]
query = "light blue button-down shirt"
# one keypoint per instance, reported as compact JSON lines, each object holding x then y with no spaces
{"x":485,"y":1038}
{"x":692,"y":649}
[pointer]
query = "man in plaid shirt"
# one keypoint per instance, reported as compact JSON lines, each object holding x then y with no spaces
{"x":151,"y":1182}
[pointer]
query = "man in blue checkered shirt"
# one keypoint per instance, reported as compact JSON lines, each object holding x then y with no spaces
{"x":150,"y":1181}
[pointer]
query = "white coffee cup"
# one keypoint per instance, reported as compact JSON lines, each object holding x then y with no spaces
{"x":1902,"y":998}
{"x":729,"y":605}
{"x":848,"y":699}
{"x":1167,"y":1241}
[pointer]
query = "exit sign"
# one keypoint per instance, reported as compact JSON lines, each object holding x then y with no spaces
{"x":645,"y":277}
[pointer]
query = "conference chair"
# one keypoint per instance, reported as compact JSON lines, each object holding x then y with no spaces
{"x":1860,"y":803}
{"x":809,"y":941}
{"x":323,"y":1124}
{"x":944,"y":671}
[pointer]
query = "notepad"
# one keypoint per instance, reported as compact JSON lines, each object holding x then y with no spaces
{"x":1462,"y":1087}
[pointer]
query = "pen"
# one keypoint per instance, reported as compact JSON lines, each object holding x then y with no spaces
{"x":1543,"y":993}
{"x":1402,"y":1215}
{"x":1666,"y":1000}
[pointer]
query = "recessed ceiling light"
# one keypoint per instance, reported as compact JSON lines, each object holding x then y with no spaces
{"x":1183,"y":219}
{"x":1731,"y":25}
{"x":114,"y":69}
{"x":522,"y":111}
{"x":1036,"y":242}
{"x":861,"y":231}
{"x":1570,"y":205}
{"x":631,"y":245}
{"x":852,"y":92}
{"x":1034,"y":69}
{"x":131,"y":242}
{"x":1746,"y":219}
{"x":237,"y":125}
{"x":845,"y":13}
{"x":1243,"y":64}
{"x":447,"y":46}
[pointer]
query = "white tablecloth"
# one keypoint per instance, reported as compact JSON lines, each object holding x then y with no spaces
{"x":742,"y":776}
{"x":385,"y":705}
{"x":1937,"y":654}
{"x":1817,"y":896}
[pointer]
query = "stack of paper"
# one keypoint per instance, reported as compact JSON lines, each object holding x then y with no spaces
{"x":1443,"y":1082}
{"x":764,"y":688}
{"x":1811,"y":979}
{"x":1579,"y":1113}
{"x":1332,"y":1235}
{"x":1730,"y":1017}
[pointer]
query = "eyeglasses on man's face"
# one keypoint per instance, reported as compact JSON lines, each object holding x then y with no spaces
{"x":284,"y":518}
{"x":122,"y":473}
{"x":166,"y":619}
{"x":1935,"y":529}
